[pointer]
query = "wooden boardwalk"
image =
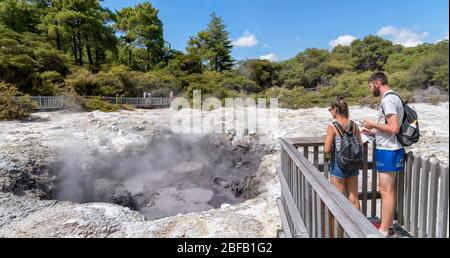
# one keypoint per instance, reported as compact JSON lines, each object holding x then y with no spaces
{"x":310,"y":206}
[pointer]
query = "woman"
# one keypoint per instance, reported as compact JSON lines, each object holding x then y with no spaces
{"x":345,"y":181}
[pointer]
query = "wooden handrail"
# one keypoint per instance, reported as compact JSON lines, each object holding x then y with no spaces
{"x":353,"y":222}
{"x":422,"y":188}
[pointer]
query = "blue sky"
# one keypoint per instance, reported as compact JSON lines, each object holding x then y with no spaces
{"x":279,"y":29}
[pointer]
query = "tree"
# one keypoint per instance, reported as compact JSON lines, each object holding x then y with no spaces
{"x":315,"y":71}
{"x":125,"y":24}
{"x":19,"y":15}
{"x":213,"y":46}
{"x":260,"y":71}
{"x":372,"y":53}
{"x":183,"y":65}
{"x":149,"y":32}
{"x":142,"y":28}
{"x":25,"y":57}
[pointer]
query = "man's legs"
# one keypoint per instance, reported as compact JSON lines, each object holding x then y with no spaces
{"x":388,"y":199}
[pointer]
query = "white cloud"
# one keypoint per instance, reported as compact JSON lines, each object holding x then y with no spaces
{"x":344,"y":40}
{"x":440,"y":40}
{"x":386,"y":31}
{"x":248,"y":40}
{"x":271,"y":57}
{"x":266,"y":45}
{"x":403,"y":37}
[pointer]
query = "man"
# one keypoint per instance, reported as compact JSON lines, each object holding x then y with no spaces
{"x":389,"y":152}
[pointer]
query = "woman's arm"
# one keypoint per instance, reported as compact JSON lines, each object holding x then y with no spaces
{"x":358,"y":134}
{"x":329,"y":139}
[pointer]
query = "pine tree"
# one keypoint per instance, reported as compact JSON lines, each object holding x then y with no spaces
{"x":213,"y":45}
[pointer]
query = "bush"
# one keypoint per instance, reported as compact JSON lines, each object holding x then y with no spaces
{"x":350,"y":85}
{"x":82,"y":81}
{"x":11,"y":108}
{"x":210,"y":89}
{"x":97,"y":103}
{"x":295,"y":98}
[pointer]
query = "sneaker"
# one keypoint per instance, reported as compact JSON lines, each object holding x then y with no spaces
{"x":392,"y":233}
{"x":384,"y":234}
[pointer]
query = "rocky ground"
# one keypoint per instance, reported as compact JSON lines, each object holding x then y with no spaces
{"x":30,"y":149}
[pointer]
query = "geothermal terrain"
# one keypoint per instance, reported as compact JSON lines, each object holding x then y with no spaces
{"x":126,"y":174}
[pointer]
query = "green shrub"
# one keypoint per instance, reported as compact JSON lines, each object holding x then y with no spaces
{"x":82,"y":81}
{"x":210,"y":89}
{"x":294,"y":98}
{"x":10,"y":108}
{"x":350,"y":85}
{"x":97,"y":103}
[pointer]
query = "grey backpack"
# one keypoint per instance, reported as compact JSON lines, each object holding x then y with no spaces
{"x":351,"y":154}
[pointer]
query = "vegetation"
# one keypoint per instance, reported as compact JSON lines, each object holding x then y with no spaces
{"x":50,"y":47}
{"x":96,"y":103}
{"x":12,"y":108}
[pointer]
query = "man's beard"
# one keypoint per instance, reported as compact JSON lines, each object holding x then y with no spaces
{"x":376,"y":92}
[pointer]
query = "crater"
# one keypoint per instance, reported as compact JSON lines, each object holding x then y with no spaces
{"x":166,"y":176}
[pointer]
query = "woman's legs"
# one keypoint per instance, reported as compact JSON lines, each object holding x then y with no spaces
{"x":339,"y":184}
{"x":351,"y":184}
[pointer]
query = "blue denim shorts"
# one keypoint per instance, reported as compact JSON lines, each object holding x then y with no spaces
{"x":390,"y":160}
{"x":337,"y":172}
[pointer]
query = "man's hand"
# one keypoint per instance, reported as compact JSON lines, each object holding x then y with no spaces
{"x":367,"y":132}
{"x":369,"y":124}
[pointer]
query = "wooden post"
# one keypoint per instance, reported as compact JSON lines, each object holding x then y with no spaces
{"x":325,"y":165}
{"x":316,"y":156}
{"x":373,"y":209}
{"x":432,"y":205}
{"x":364,"y":180}
{"x":424,"y":181}
{"x":407,"y":206}
{"x":415,"y":195}
{"x":401,"y":195}
{"x":443,"y":203}
{"x":323,"y":224}
{"x":314,"y":213}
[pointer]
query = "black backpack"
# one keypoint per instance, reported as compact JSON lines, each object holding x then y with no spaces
{"x":404,"y":138}
{"x":351,"y":154}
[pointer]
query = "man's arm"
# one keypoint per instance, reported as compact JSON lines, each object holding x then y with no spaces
{"x":391,"y":127}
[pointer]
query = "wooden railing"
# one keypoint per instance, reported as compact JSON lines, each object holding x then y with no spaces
{"x":422,"y":190}
{"x":310,"y":206}
{"x":423,"y":197}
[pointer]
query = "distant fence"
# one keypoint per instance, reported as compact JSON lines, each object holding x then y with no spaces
{"x":422,"y":194}
{"x":62,"y":102}
{"x":139,"y":102}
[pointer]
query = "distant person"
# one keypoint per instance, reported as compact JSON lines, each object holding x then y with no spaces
{"x":341,"y":132}
{"x":149,"y":96}
{"x":389,"y":154}
{"x":171,"y":96}
{"x":145,"y":94}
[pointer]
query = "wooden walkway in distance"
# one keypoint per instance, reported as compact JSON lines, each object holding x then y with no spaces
{"x":44,"y":103}
{"x":311,"y":207}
